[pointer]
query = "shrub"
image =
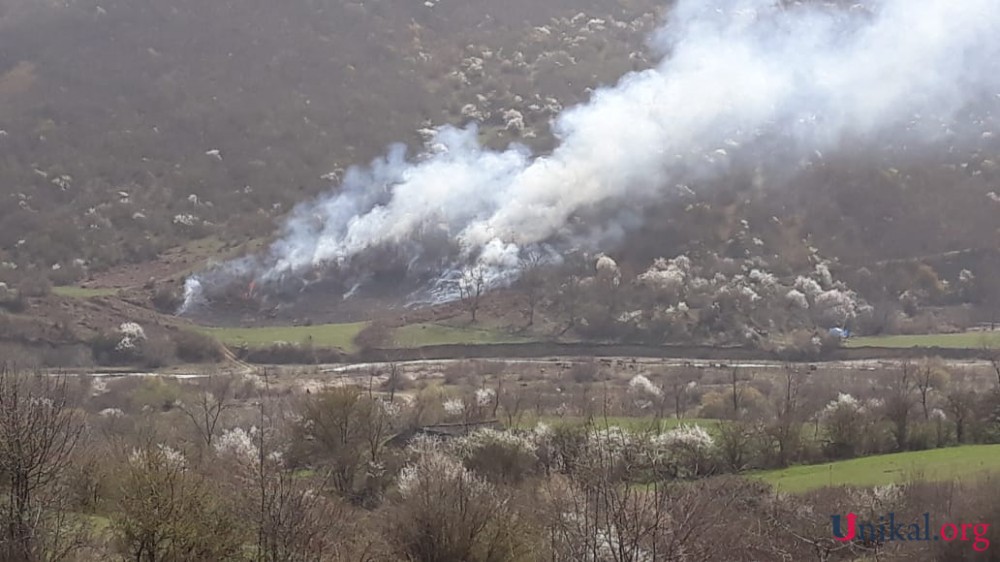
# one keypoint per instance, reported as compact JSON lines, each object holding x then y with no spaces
{"x":166,"y":512}
{"x":584,"y":372}
{"x":499,"y":456}
{"x":373,"y":336}
{"x":167,"y":300}
{"x":34,"y":286}
{"x":13,"y":301}
{"x":195,"y":347}
{"x":103,"y":347}
{"x":157,"y":352}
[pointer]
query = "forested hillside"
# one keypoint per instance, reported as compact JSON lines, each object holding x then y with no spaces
{"x":130,"y":127}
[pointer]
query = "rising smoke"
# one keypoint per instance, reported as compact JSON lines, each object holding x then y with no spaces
{"x":740,"y":80}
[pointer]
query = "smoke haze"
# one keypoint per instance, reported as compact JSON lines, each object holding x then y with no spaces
{"x":741,"y":83}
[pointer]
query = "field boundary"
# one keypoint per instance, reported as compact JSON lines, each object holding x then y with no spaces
{"x":535,"y":350}
{"x":598,"y":350}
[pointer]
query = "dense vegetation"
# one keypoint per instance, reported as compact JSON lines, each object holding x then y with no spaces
{"x":409,"y":463}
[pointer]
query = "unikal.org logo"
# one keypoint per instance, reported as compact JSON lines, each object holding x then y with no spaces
{"x":888,"y":529}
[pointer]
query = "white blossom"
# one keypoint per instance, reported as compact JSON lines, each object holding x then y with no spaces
{"x":797,"y":299}
{"x":843,"y":402}
{"x":487,"y":438}
{"x":185,"y":219}
{"x":513,"y":120}
{"x":170,"y":457}
{"x":237,"y":443}
{"x":641,"y":385}
{"x":606,"y":264}
{"x":836,"y":307}
{"x":454,"y":406}
{"x":807,"y":286}
{"x":690,"y":435}
{"x":667,"y":275}
{"x":763,"y":278}
{"x":823,"y":273}
{"x":485,"y":396}
{"x":130,"y":335}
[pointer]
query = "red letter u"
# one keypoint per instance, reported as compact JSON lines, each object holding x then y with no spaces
{"x":852,"y":521}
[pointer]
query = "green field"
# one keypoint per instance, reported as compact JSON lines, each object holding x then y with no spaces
{"x":966,"y":340}
{"x":418,"y":335}
{"x":969,"y":461}
{"x":83,"y":292}
{"x":342,"y":335}
{"x":320,"y":335}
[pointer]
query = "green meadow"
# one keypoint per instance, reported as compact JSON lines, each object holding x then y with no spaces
{"x":952,"y":463}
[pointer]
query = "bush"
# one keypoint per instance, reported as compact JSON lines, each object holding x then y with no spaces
{"x":66,"y":275}
{"x":156,"y":393}
{"x":584,"y":372}
{"x":12,"y":301}
{"x":499,"y":456}
{"x":167,"y":300}
{"x":166,"y":512}
{"x":195,"y":347}
{"x":104,"y":348}
{"x":373,"y":336}
{"x":157,"y":352}
{"x":34,"y":286}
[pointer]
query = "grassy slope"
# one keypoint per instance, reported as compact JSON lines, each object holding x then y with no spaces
{"x":342,"y":335}
{"x":416,"y":335}
{"x":967,"y":340}
{"x":83,"y":293}
{"x":936,"y":464}
{"x":323,"y":335}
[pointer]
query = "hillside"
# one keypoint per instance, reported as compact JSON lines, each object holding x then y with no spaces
{"x":132,"y":127}
{"x":143,"y":141}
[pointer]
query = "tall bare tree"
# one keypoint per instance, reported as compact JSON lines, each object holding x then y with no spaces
{"x":931,"y":377}
{"x":205,"y":411}
{"x":38,"y":433}
{"x":531,"y":282}
{"x":786,"y":430}
{"x":899,"y":402}
{"x":471,"y":288}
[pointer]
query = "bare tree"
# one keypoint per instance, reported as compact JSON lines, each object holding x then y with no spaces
{"x":38,"y":433}
{"x":293,"y":523}
{"x":393,"y":381}
{"x":786,"y":430}
{"x":205,"y":412}
{"x":511,"y":401}
{"x":568,"y":297}
{"x":735,"y":443}
{"x":931,"y":376}
{"x":737,"y":387}
{"x":899,"y":402}
{"x":471,"y":288}
{"x":345,"y":432}
{"x":960,"y":404}
{"x":680,"y":384}
{"x":531,"y":282}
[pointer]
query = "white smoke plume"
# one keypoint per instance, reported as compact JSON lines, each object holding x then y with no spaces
{"x":740,"y":80}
